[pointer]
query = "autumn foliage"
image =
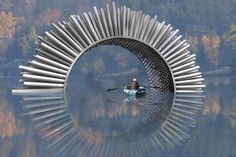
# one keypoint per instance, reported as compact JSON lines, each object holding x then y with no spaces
{"x":8,"y":124}
{"x":212,"y":104}
{"x":7,"y":119}
{"x":211,"y":48}
{"x":194,"y":43}
{"x":50,"y":16}
{"x":7,"y":25}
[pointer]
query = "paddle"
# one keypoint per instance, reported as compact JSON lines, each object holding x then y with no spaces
{"x":151,"y":86}
{"x":111,"y":89}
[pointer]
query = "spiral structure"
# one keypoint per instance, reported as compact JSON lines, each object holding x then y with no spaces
{"x":164,"y":54}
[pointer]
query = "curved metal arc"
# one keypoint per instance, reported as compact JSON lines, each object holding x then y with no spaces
{"x":114,"y":38}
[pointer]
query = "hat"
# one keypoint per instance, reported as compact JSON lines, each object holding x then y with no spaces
{"x":134,"y":79}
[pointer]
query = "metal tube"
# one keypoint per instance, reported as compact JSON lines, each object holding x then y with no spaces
{"x":184,"y":61}
{"x":47,"y":67}
{"x":51,"y":62}
{"x":43,"y":72}
{"x":42,"y":78}
{"x":56,"y":52}
{"x":187,"y":70}
{"x":43,"y":84}
{"x":40,"y":91}
{"x":188,"y":76}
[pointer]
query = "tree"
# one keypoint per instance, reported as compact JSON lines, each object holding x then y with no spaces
{"x":3,"y":48}
{"x":231,"y":36}
{"x":211,"y":48}
{"x":5,"y":5}
{"x":49,"y":16}
{"x":194,"y":43}
{"x":7,"y":25}
{"x":27,"y":41}
{"x":29,"y":4}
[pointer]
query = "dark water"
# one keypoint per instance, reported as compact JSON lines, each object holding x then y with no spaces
{"x":90,"y":121}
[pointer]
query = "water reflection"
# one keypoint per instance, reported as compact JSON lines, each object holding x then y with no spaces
{"x":85,"y":119}
{"x":111,"y":124}
{"x":213,"y":135}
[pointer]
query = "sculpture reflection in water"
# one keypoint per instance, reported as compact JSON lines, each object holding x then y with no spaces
{"x":109,"y":124}
{"x":109,"y":127}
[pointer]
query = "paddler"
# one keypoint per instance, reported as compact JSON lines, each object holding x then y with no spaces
{"x":134,"y":84}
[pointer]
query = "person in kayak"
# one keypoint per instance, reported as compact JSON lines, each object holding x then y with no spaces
{"x":134,"y":84}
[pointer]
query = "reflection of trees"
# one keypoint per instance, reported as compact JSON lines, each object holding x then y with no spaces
{"x":29,"y":149}
{"x":5,"y":148}
{"x":14,"y":138}
{"x":7,"y":124}
{"x":212,"y":138}
{"x":231,"y":111}
{"x":121,"y":59}
{"x":214,"y":135}
{"x":7,"y":119}
{"x":212,"y":103}
{"x":231,"y":114}
{"x":220,"y":98}
{"x":98,"y":66}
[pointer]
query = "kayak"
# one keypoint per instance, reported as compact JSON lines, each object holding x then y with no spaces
{"x":135,"y":92}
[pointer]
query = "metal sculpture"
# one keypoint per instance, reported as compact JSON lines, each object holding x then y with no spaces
{"x":165,"y":56}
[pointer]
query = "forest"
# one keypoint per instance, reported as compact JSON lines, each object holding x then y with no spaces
{"x":209,"y":26}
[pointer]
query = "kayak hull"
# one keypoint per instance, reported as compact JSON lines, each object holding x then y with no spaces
{"x":135,"y":92}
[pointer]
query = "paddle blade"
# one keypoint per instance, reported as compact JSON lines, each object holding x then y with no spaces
{"x":151,"y":87}
{"x":111,"y":89}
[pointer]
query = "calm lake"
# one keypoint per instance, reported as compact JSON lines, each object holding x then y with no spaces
{"x":106,"y":120}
